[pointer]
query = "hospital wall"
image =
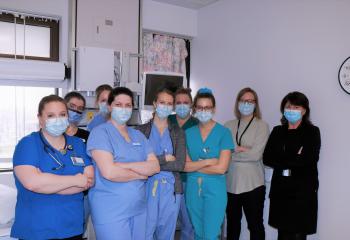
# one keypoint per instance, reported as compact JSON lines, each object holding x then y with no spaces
{"x":161,"y":17}
{"x":276,"y":47}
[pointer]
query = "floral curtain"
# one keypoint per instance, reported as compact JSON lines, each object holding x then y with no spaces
{"x":164,"y":53}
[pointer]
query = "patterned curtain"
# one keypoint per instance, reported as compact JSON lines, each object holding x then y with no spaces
{"x":164,"y":53}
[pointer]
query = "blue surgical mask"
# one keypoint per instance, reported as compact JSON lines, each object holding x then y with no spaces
{"x":182,"y":110}
{"x":163,"y":111}
{"x":103,"y":109}
{"x":292,"y":115}
{"x":204,"y":116}
{"x":56,"y":126}
{"x":246,"y":108}
{"x":121,"y":115}
{"x":74,"y":117}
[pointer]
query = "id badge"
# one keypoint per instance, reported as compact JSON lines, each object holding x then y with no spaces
{"x":286,"y":173}
{"x":136,"y":144}
{"x":78,"y":161}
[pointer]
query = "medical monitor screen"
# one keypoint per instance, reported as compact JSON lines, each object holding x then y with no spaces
{"x":154,"y":82}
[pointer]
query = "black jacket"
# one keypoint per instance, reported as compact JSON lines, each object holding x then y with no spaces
{"x":177,"y":136}
{"x":293,"y":199}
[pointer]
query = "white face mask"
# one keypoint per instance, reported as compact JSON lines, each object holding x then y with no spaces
{"x":56,"y":126}
{"x":121,"y":115}
{"x":204,"y":116}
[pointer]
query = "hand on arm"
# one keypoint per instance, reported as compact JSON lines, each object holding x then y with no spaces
{"x":113,"y":171}
{"x":255,"y":151}
{"x":89,"y":173}
{"x":170,"y":158}
{"x":221,"y":166}
{"x":35,"y":180}
{"x":146,"y":168}
{"x":176,"y":162}
{"x":275,"y":156}
{"x":193,"y":166}
{"x":240,"y":149}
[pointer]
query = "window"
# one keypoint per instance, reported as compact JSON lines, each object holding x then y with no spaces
{"x":18,"y":115}
{"x":30,"y":37}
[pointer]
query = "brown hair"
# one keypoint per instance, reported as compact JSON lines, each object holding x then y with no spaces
{"x":77,"y":95}
{"x":164,"y":90}
{"x":186,"y":91}
{"x":257,"y":112}
{"x":118,"y":91}
{"x":200,"y":94}
{"x":49,"y":99}
{"x":101,"y":88}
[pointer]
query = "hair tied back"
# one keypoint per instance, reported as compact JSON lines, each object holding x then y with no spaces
{"x":205,"y":90}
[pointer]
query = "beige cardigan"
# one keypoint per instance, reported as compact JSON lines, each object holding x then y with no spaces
{"x":246,"y":170}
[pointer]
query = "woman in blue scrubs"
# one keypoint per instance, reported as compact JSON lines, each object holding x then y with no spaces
{"x":184,"y":119}
{"x":102,"y":93}
{"x":209,"y":154}
{"x":51,"y":171}
{"x":123,"y":161}
{"x":165,"y":188}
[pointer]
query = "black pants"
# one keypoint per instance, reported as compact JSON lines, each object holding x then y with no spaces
{"x":290,"y":236}
{"x":253,"y":205}
{"x":78,"y":237}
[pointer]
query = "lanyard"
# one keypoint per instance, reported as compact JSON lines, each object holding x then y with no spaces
{"x":238,"y":141}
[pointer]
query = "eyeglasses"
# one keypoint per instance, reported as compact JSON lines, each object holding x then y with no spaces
{"x":204,"y":108}
{"x":72,"y":106}
{"x":245,"y":101}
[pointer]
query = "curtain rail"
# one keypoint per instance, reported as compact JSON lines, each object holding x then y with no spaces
{"x":17,"y":13}
{"x":167,"y":34}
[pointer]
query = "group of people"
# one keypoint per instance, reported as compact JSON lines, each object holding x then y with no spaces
{"x":140,"y":180}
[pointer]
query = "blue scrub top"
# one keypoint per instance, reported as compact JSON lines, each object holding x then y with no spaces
{"x":97,"y":120}
{"x":114,"y":201}
{"x":218,"y":139}
{"x":48,"y":216}
{"x":161,"y":144}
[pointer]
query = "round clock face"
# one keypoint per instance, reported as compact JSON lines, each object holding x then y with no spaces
{"x":344,"y":75}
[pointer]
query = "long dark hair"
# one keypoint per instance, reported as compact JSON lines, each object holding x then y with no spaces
{"x":297,"y":99}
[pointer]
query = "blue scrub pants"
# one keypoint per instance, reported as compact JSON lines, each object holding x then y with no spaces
{"x":162,"y":209}
{"x":133,"y":228}
{"x":206,"y":200}
{"x":187,"y":232}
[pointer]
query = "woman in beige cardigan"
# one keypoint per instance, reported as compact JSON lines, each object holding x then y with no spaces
{"x":245,"y":177}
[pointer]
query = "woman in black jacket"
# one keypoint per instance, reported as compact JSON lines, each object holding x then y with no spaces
{"x":293,"y":152}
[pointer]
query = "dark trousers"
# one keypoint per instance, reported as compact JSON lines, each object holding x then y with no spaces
{"x":290,"y":236}
{"x":78,"y":237}
{"x":253,"y":205}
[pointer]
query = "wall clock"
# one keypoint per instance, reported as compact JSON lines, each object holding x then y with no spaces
{"x":344,"y":75}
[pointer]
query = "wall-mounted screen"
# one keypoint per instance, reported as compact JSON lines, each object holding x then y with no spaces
{"x":155,"y":81}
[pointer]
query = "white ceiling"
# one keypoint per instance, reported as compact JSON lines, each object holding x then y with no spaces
{"x":193,"y":4}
